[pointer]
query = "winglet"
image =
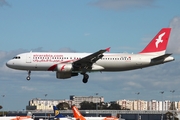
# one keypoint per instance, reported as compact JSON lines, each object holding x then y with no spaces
{"x":77,"y":114}
{"x":108,"y":49}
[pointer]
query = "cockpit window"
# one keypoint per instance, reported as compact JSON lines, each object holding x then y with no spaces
{"x":17,"y":57}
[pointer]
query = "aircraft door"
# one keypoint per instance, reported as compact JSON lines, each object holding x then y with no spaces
{"x":28,"y":57}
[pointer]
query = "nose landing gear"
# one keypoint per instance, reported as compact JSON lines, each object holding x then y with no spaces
{"x":28,"y":77}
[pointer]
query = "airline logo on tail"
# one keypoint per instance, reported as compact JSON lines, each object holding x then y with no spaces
{"x":57,"y":113}
{"x":159,"y":43}
{"x":159,"y":40}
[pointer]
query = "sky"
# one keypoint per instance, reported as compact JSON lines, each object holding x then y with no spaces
{"x":87,"y":26}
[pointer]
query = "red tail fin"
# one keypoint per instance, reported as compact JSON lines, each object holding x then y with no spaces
{"x":159,"y":43}
{"x":77,"y":114}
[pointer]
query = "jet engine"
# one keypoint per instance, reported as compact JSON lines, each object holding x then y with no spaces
{"x":64,"y":71}
{"x":64,"y":67}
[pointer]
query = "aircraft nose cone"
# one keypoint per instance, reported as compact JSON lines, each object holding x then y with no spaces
{"x":9,"y":64}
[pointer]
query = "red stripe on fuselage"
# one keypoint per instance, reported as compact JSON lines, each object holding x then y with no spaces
{"x":55,"y":65}
{"x":52,"y":67}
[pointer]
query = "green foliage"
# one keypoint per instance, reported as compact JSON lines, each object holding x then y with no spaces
{"x":172,"y":106}
{"x":170,"y":114}
{"x":100,"y":106}
{"x":87,"y":105}
{"x":114,"y":106}
{"x":63,"y":106}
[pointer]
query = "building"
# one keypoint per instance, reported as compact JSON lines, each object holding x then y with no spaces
{"x":152,"y":105}
{"x":79,"y":99}
{"x":140,"y":105}
{"x":125,"y":104}
{"x":133,"y":105}
{"x":178,"y":105}
{"x":166,"y":105}
{"x":45,"y":104}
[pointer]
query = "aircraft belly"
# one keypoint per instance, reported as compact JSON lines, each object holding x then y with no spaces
{"x":42,"y":66}
{"x":124,"y":65}
{"x":117,"y":66}
{"x":35,"y":66}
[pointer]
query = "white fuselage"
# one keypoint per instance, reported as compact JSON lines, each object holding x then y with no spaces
{"x":43,"y":61}
{"x":16,"y":118}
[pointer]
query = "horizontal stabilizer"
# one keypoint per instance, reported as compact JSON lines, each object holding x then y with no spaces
{"x":162,"y":57}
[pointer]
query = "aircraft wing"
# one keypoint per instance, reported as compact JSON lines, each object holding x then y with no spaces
{"x":85,"y":63}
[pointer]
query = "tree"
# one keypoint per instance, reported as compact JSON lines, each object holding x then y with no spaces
{"x":1,"y":107}
{"x":87,"y":105}
{"x":114,"y":106}
{"x":101,"y":106}
{"x":173,"y":107}
{"x":63,"y":106}
{"x":169,"y":116}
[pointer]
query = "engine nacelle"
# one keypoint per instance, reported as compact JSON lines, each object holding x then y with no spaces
{"x":64,"y":67}
{"x":65,"y":75}
{"x":64,"y":71}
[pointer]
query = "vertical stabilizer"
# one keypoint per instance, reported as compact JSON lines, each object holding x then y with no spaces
{"x":57,"y":113}
{"x":77,"y":114}
{"x":159,"y":43}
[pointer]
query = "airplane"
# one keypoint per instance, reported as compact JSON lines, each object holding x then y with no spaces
{"x":67,"y":65}
{"x":79,"y":116}
{"x":16,"y":118}
{"x":58,"y":115}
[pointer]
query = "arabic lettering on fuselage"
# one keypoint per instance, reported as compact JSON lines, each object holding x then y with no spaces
{"x":61,"y":58}
{"x":48,"y":58}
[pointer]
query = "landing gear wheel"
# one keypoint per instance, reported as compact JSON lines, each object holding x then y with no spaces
{"x":85,"y":78}
{"x":28,"y":77}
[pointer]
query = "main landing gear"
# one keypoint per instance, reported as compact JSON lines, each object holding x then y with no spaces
{"x":28,"y":77}
{"x":85,"y":78}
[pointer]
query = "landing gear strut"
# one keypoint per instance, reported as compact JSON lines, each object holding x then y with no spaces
{"x":85,"y":78}
{"x":28,"y":77}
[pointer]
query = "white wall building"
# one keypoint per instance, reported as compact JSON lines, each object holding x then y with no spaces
{"x":46,"y":104}
{"x":133,"y":105}
{"x":125,"y":104}
{"x":79,"y":99}
{"x":147,"y":105}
